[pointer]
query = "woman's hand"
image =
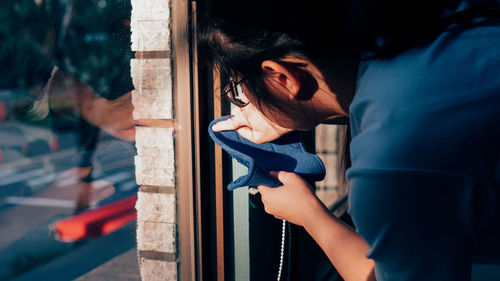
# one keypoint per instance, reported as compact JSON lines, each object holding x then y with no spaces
{"x":295,"y":201}
{"x":112,"y":116}
{"x":118,"y":120}
{"x":251,"y":124}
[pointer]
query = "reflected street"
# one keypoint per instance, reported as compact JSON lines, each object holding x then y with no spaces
{"x":37,"y":191}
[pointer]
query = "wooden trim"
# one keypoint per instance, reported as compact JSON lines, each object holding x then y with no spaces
{"x":219,"y":183}
{"x":157,"y":123}
{"x":181,"y":64}
{"x":197,"y":123}
{"x":152,"y":54}
{"x":155,"y":255}
{"x":157,"y":189}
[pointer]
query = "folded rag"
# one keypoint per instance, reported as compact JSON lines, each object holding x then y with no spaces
{"x":284,"y":154}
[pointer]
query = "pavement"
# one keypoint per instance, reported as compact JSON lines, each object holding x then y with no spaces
{"x":87,"y":256}
{"x":121,"y":268}
{"x":40,"y":186}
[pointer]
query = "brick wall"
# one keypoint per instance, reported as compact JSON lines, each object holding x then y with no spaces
{"x":155,"y":160}
{"x":331,"y":189}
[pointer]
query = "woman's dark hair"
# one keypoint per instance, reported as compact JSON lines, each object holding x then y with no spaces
{"x":237,"y":36}
{"x":239,"y":51}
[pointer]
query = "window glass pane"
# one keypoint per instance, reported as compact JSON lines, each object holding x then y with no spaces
{"x":332,"y":189}
{"x":241,"y":227}
{"x":67,"y":184}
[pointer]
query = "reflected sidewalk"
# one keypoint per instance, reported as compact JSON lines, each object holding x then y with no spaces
{"x":124,"y":268}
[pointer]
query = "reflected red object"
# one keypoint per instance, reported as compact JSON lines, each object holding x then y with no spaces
{"x":96,"y":222}
{"x":54,"y":144}
{"x":3,"y":111}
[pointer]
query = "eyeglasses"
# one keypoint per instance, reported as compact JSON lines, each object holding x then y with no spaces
{"x":234,"y":93}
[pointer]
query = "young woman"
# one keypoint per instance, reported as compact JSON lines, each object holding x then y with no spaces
{"x":423,"y":107}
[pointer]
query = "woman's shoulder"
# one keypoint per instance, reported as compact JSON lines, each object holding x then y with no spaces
{"x":456,"y":63}
{"x":460,"y":69}
{"x":432,"y":106}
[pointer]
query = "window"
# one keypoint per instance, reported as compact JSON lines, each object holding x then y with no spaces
{"x":67,"y":184}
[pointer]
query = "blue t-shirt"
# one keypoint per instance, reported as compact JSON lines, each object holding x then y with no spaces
{"x":424,"y":182}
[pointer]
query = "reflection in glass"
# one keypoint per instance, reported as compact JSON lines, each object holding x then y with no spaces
{"x":66,"y":136}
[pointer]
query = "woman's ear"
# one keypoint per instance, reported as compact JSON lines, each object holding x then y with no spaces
{"x":282,"y":76}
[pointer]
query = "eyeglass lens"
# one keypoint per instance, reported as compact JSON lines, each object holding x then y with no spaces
{"x":235,"y":94}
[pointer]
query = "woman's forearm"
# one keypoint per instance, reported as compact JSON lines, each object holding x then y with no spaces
{"x":343,"y":246}
{"x":296,"y":203}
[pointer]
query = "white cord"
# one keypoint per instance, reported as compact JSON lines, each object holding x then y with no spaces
{"x":253,"y":191}
{"x":282,"y":254}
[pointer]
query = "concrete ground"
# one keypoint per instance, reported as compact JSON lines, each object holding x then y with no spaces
{"x":123,"y":268}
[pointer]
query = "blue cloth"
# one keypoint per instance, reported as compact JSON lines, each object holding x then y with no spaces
{"x":424,"y":181}
{"x":284,"y":154}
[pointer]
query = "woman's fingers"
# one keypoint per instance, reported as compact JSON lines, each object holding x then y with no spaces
{"x":295,"y":201}
{"x":263,"y":188}
{"x":238,"y":123}
{"x":247,"y":133}
{"x":232,"y":123}
{"x":251,"y":125}
{"x":283,"y":176}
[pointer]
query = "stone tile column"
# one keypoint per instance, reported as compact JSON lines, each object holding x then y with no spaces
{"x":155,"y":160}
